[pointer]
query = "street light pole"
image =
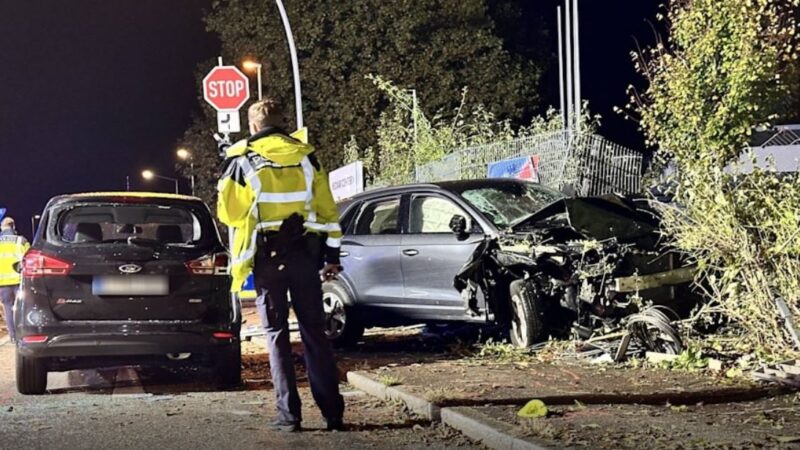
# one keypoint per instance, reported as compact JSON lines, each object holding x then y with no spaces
{"x":149,"y":174}
{"x":414,"y":113}
{"x":173,"y":179}
{"x":186,"y":155}
{"x":252,"y":65}
{"x":295,"y":65}
{"x":260,"y":94}
{"x":191,"y":167}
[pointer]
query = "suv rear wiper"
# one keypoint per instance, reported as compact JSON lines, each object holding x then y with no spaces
{"x":144,"y":242}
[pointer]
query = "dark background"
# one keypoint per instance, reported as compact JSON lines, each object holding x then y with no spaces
{"x":94,"y":91}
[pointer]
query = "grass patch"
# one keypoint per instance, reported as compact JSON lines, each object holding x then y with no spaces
{"x":502,"y":352}
{"x":436,"y":395}
{"x":390,"y":380}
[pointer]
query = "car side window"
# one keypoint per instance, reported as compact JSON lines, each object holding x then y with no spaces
{"x":379,"y":217}
{"x":431,"y":214}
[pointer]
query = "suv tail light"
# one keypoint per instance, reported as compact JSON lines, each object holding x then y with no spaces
{"x":214,"y":264}
{"x":37,"y":264}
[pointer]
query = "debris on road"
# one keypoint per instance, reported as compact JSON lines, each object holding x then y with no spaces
{"x":785,"y":374}
{"x":534,"y":409}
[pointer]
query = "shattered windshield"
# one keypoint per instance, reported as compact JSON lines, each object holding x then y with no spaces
{"x":503,"y":204}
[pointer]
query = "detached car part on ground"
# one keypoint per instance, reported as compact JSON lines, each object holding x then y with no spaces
{"x":581,"y":266}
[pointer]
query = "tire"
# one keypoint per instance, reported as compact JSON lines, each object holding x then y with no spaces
{"x":229,"y":367}
{"x":527,"y":325}
{"x":342,"y":327}
{"x":31,"y":375}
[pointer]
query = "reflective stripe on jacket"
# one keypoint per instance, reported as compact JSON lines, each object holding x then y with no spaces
{"x":12,"y":249}
{"x":266,"y":179}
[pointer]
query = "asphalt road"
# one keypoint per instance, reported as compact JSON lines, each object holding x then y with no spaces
{"x":134,"y":408}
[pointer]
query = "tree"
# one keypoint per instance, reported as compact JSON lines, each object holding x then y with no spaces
{"x":728,"y":67}
{"x":434,"y":46}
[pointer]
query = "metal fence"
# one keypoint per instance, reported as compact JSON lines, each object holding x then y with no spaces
{"x":587,"y":163}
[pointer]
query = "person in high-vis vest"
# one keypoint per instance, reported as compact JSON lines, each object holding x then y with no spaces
{"x":12,"y":249}
{"x":275,"y":195}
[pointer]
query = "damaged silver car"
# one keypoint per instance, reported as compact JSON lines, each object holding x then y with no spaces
{"x":522,"y":256}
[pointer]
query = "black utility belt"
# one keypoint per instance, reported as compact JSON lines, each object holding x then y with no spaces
{"x":271,"y":236}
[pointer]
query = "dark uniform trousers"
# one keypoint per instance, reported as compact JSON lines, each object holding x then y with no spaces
{"x":296,"y":271}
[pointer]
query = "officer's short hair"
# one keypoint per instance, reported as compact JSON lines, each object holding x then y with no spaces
{"x":7,"y":223}
{"x":266,"y":113}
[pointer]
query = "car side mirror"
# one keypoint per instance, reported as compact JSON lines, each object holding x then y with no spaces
{"x":17,"y":267}
{"x":458,"y":225}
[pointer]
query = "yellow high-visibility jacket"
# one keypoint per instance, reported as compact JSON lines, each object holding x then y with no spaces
{"x":266,"y":179}
{"x":12,"y":249}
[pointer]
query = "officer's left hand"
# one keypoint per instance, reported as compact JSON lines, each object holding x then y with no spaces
{"x":330,"y":271}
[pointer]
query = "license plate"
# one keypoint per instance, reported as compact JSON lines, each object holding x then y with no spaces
{"x":130,"y":285}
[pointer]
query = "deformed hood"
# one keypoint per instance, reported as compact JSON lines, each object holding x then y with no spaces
{"x":627,"y":219}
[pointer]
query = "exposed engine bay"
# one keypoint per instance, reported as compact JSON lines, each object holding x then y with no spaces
{"x":578,"y":266}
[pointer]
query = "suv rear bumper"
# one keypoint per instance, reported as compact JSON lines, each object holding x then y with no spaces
{"x":81,"y":344}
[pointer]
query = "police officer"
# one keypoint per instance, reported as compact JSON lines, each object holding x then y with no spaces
{"x":12,"y":249}
{"x":275,"y":195}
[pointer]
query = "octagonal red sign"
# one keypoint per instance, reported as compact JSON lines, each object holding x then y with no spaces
{"x":226,"y":88}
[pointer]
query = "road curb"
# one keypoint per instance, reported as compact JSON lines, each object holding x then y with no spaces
{"x":468,"y":421}
{"x":416,"y":404}
{"x":488,"y":431}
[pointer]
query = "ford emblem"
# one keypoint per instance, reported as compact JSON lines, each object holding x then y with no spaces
{"x":130,"y":268}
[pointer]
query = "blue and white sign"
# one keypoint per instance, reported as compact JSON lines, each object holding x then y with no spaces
{"x":2,"y":213}
{"x":522,"y":168}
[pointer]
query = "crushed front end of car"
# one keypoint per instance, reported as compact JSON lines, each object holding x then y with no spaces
{"x":578,"y":267}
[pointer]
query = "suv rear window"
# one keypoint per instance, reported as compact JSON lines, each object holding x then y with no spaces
{"x":110,"y":223}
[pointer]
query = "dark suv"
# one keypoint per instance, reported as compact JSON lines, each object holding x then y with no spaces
{"x":125,"y":279}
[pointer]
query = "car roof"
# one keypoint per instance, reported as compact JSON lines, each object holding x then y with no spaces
{"x":122,"y":196}
{"x":452,"y":186}
{"x":125,"y":194}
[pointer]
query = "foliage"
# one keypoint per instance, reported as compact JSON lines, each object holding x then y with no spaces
{"x":690,"y":359}
{"x":435,"y":45}
{"x":408,"y":137}
{"x":390,"y":380}
{"x":501,"y":352}
{"x":728,"y":67}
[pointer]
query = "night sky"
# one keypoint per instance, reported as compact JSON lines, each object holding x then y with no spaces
{"x":92,"y":91}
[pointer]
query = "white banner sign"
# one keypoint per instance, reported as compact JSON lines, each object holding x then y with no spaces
{"x":347,"y":181}
{"x":228,"y":121}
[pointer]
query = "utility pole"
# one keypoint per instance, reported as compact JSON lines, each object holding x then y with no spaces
{"x":295,"y":65}
{"x":414,"y":106}
{"x":577,"y":79}
{"x":561,"y":72}
{"x":569,"y":66}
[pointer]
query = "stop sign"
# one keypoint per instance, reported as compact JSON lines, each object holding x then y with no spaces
{"x":226,"y":88}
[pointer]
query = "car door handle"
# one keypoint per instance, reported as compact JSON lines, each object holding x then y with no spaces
{"x":344,"y":253}
{"x":411,"y":252}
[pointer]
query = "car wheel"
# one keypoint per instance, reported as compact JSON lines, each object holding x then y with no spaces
{"x":342,"y":327}
{"x":229,"y":366}
{"x":527,"y":326}
{"x":31,"y":375}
